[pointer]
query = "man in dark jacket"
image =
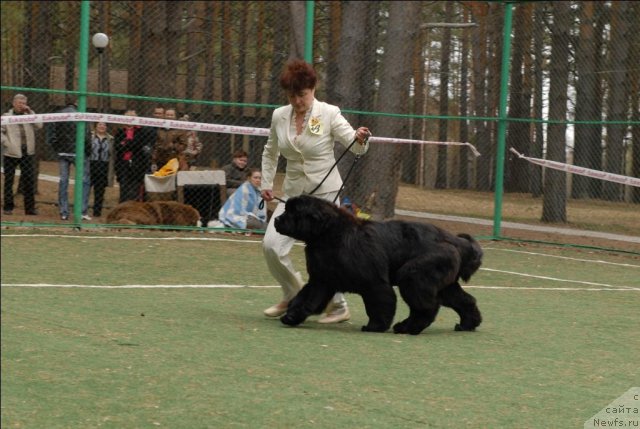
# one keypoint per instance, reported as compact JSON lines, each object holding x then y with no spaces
{"x":19,"y":147}
{"x":132,"y":148}
{"x":62,"y":138}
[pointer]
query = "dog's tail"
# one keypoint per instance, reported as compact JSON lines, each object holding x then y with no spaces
{"x":471,"y":254}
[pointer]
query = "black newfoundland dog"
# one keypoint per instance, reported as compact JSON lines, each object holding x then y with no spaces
{"x":347,"y":254}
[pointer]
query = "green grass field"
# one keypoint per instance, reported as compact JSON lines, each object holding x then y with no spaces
{"x":84,"y":345}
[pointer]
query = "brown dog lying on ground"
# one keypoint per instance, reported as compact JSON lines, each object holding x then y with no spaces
{"x":153,"y":213}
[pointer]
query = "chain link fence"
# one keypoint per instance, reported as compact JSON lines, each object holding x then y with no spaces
{"x":431,"y":72}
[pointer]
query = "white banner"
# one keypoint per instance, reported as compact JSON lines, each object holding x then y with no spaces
{"x":596,"y":174}
{"x":184,"y":125}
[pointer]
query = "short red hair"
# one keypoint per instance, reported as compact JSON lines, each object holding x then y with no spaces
{"x":297,"y":76}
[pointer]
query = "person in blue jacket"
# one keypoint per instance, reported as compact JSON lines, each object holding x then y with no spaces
{"x":241,"y":210}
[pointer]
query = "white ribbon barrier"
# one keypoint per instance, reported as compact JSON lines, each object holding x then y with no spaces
{"x":132,"y":120}
{"x":391,"y":140}
{"x":582,"y":171}
{"x":183,"y":125}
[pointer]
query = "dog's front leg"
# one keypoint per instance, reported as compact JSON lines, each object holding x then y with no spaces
{"x":311,"y":299}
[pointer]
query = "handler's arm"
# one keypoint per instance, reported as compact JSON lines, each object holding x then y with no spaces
{"x":345,"y":134}
{"x":270,"y":156}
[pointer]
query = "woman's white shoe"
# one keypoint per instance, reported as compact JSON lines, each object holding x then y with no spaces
{"x":277,"y":310}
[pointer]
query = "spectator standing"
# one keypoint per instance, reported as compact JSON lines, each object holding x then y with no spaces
{"x":62,"y":138}
{"x":19,"y":148}
{"x":242,"y":209}
{"x":101,"y":160}
{"x":236,"y":172}
{"x":170,"y":142}
{"x":130,"y":159}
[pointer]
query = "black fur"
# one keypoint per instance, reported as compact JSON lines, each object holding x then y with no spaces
{"x":347,"y":254}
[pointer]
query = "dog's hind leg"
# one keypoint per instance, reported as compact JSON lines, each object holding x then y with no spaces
{"x":419,"y":281}
{"x":464,"y":304}
{"x":423,"y":309}
{"x":380,"y":304}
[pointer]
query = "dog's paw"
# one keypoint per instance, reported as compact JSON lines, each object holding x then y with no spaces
{"x":460,"y":328}
{"x":291,"y":321}
{"x":400,"y":328}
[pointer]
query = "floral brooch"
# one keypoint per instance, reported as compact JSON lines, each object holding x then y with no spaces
{"x":315,"y":125}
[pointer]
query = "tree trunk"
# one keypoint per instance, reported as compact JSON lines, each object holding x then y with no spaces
{"x":104,"y":85}
{"x":260,"y":62}
{"x":463,"y":181}
{"x":479,"y":52}
{"x":39,"y":47}
{"x":538,"y":73}
{"x":72,"y":13}
{"x":226,"y":54}
{"x":635,"y":106}
{"x":517,"y":171}
{"x":555,"y":191}
{"x":207,"y":155}
{"x":156,"y":81}
{"x":297,"y":10}
{"x":194,"y":48}
{"x":411,"y":153}
{"x":280,"y":28}
{"x":345,"y":91}
{"x":242,"y":57}
{"x":617,"y":101}
{"x":172,"y":42}
{"x":335,"y":43}
{"x":445,"y":59}
{"x":588,"y":137}
{"x":383,"y":160}
{"x":495,"y":42}
{"x":135,"y":78}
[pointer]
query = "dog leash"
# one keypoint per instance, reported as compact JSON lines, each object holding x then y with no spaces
{"x":334,"y":166}
{"x":355,"y":160}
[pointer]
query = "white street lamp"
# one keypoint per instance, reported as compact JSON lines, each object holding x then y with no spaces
{"x":100,"y":41}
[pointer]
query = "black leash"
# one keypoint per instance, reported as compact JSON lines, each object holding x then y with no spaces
{"x":334,"y":166}
{"x":261,"y":204}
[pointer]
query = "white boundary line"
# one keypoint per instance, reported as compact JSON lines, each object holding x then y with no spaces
{"x":234,"y":240}
{"x":76,"y":286}
{"x":586,"y":289}
{"x":113,"y":237}
{"x":597,"y":261}
{"x":560,"y":280}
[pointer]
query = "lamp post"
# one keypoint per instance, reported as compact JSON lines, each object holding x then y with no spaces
{"x":100,"y":42}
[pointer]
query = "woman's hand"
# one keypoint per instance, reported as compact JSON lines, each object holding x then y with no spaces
{"x":362,"y":134}
{"x":267,"y":195}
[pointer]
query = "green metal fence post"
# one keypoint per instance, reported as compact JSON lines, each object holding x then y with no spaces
{"x":502,"y":119}
{"x":308,"y":33}
{"x":82,"y":107}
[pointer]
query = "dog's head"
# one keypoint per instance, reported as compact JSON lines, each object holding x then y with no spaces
{"x":308,"y":218}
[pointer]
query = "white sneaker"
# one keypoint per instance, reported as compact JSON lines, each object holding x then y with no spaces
{"x":215,"y":224}
{"x":86,"y":217}
{"x":337,"y":315}
{"x":277,"y":310}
